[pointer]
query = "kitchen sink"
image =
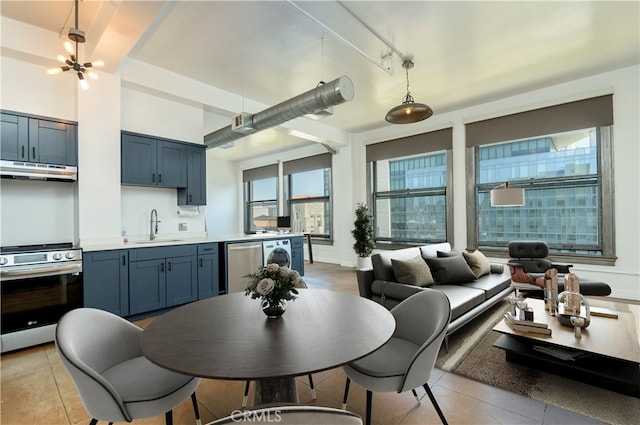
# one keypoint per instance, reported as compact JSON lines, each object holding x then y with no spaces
{"x":159,"y":241}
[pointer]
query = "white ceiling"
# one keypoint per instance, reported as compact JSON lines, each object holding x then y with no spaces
{"x":465,"y":53}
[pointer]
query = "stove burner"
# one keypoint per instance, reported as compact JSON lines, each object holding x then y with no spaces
{"x":36,"y":248}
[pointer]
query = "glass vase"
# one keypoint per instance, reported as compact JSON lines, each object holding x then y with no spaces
{"x":273,"y":309}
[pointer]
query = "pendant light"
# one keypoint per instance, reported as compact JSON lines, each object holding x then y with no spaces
{"x":409,"y":111}
{"x":72,"y":63}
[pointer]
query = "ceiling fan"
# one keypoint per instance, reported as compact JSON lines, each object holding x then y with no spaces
{"x":72,"y":63}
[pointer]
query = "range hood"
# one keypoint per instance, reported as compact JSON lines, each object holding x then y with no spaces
{"x":31,"y":170}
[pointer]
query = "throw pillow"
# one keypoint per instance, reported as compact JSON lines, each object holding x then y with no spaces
{"x":478,"y":262}
{"x":444,"y":254}
{"x":413,"y":272}
{"x":450,"y":270}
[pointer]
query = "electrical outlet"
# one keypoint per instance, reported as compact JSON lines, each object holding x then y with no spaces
{"x":182,"y":227}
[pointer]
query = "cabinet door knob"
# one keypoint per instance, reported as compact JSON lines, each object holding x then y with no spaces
{"x":153,"y":177}
{"x":124,"y":260}
{"x":22,"y":155}
{"x":201,"y":262}
{"x":162,"y":267}
{"x":169,"y":266}
{"x":33,"y":151}
{"x":159,"y":178}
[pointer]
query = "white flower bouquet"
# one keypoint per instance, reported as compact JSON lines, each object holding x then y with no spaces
{"x":275,"y":285}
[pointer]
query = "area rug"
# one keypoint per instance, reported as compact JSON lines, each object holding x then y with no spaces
{"x":471,"y":354}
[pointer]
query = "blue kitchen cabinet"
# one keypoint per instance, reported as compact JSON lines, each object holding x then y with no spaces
{"x":208,"y":270}
{"x":196,"y":191}
{"x":172,"y":164}
{"x":34,"y":139}
{"x":297,"y":254}
{"x":149,"y":161}
{"x":15,"y":137}
{"x":182,"y":280}
{"x":106,"y":280}
{"x":162,"y":277}
{"x":147,"y":286}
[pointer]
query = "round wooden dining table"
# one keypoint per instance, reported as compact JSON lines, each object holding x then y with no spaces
{"x":229,"y":337}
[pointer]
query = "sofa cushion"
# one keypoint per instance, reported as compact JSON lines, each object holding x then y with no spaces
{"x":444,"y":254}
{"x":450,"y":270}
{"x":413,"y":271}
{"x":491,"y":284}
{"x":432,"y":250}
{"x":478,"y":262}
{"x":381,"y":262}
{"x":461,"y":298}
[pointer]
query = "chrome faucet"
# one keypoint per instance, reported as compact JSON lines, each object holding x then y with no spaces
{"x":153,"y":231}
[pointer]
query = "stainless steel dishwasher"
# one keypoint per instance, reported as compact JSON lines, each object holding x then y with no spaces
{"x":242,"y":258}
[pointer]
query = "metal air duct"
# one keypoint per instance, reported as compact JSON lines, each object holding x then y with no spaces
{"x":322,"y":97}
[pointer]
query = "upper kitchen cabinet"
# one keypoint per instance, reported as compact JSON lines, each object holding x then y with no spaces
{"x":196,"y":191}
{"x":149,"y":161}
{"x":37,"y":139}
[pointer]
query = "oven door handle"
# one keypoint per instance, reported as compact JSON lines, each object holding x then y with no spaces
{"x":31,"y":271}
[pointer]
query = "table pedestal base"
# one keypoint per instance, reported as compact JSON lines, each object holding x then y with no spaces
{"x":278,"y":390}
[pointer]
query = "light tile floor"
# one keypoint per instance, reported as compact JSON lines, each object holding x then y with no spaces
{"x":36,"y":389}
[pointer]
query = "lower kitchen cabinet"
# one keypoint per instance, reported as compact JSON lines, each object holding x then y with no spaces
{"x":106,"y":280}
{"x":297,"y":254}
{"x":208,"y":270}
{"x":162,"y":277}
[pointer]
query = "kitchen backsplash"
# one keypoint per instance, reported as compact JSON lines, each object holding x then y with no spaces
{"x":37,"y":212}
{"x":137,"y":203}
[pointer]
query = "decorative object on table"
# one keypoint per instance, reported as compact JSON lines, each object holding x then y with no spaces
{"x":551,"y":291}
{"x":570,"y":310}
{"x":578,"y":323}
{"x":572,"y":285}
{"x":512,"y":304}
{"x":363,"y":234}
{"x":522,"y":306}
{"x":274,"y":285}
{"x":526,"y":325}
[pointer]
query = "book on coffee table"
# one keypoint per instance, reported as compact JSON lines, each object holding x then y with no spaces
{"x":526,"y":326}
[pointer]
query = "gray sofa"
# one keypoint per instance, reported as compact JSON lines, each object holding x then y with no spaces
{"x":468,"y":299}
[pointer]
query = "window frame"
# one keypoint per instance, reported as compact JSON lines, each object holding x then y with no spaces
{"x":416,"y":145}
{"x":311,"y":163}
{"x":606,"y":215}
{"x":250,"y":176}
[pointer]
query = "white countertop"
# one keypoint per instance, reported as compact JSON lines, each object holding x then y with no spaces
{"x":172,"y":241}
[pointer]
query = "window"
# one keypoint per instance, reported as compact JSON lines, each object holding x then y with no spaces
{"x":567,"y":178}
{"x":308,"y":195}
{"x":261,"y":198}
{"x":409,"y":182}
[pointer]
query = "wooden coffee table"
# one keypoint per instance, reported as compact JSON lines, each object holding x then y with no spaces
{"x":607,"y":355}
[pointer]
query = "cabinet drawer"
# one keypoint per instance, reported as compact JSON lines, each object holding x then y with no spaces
{"x":160,"y":252}
{"x":207,"y":248}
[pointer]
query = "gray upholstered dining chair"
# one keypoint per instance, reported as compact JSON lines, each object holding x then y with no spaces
{"x":245,"y":397}
{"x":405,"y":362}
{"x":292,"y":415}
{"x":115,"y":382}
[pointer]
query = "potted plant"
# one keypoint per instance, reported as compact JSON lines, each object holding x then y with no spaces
{"x":363,"y":234}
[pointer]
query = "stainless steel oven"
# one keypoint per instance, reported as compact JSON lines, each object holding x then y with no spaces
{"x":39,"y":284}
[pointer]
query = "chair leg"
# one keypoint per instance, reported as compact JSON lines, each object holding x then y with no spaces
{"x":346,"y":394}
{"x":435,"y":404}
{"x":93,"y":421}
{"x":369,"y":403}
{"x":313,"y":388}
{"x":415,"y":394}
{"x":245,"y":398}
{"x":168,"y":417}
{"x":194,"y":400}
